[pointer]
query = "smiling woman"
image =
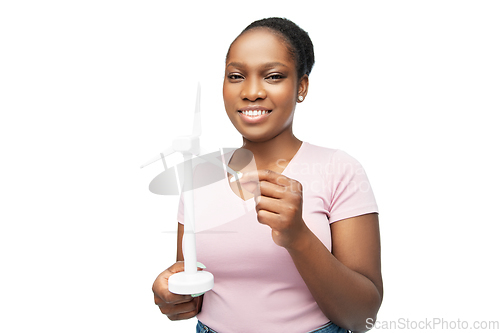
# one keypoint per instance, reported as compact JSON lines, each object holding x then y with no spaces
{"x":307,"y":259}
{"x":261,"y":86}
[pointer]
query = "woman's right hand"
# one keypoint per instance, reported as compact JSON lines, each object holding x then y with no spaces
{"x":176,"y":307}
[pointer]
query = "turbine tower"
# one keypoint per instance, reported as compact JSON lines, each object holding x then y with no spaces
{"x":191,"y":281}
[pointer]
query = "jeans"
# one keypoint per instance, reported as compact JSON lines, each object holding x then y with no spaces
{"x":327,"y":328}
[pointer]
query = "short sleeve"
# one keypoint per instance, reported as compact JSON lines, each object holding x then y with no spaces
{"x":352,"y":194}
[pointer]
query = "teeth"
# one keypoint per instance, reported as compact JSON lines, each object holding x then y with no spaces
{"x":254,"y":113}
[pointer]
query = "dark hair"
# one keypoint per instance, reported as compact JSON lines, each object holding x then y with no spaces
{"x":300,"y":45}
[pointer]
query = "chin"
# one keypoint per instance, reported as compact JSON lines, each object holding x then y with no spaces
{"x":255,"y":137}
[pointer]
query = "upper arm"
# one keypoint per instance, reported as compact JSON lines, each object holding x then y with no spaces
{"x":180,"y":233}
{"x":356,"y":244}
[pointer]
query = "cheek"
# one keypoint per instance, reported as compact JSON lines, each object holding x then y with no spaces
{"x":286,"y":96}
{"x":227,"y":95}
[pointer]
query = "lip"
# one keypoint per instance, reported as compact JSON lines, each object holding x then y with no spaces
{"x":254,"y":119}
{"x":254,"y":108}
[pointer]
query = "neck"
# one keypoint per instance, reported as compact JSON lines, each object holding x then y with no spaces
{"x":268,"y":154}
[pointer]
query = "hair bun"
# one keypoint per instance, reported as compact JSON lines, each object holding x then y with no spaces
{"x":301,"y":45}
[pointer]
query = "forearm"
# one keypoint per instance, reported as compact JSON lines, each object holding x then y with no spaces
{"x":346,"y":297}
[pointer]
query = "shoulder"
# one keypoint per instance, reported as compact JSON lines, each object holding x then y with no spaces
{"x":330,"y":156}
{"x":316,"y":153}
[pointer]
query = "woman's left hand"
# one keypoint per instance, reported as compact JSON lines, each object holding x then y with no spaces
{"x":279,"y":205}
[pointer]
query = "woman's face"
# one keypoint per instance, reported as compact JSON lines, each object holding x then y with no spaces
{"x":261,"y":85}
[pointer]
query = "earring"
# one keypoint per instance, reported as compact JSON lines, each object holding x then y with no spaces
{"x":301,"y":98}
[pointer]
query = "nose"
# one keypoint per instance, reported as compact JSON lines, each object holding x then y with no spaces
{"x":253,"y":89}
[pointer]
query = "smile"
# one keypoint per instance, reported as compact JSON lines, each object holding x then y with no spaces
{"x":254,"y":116}
{"x":254,"y":113}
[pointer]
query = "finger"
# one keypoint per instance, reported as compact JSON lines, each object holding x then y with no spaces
{"x":186,"y":315}
{"x":180,"y":311}
{"x":253,"y":180}
{"x":268,"y":218}
{"x":163,"y":295}
{"x":249,"y":176}
{"x":295,"y":187}
{"x":177,"y":267}
{"x":268,"y":175}
{"x":268,"y":211}
{"x":272,"y":190}
{"x":250,"y":183}
{"x":160,"y":286}
{"x":169,"y":308}
{"x":269,"y":204}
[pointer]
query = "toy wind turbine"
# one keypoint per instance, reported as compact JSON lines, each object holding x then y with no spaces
{"x":191,"y":281}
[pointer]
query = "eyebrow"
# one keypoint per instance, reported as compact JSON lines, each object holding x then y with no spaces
{"x":266,"y":65}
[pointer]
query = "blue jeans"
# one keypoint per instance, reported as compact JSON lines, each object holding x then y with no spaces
{"x":327,"y":328}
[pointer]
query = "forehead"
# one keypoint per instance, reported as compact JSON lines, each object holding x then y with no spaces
{"x":259,"y":46}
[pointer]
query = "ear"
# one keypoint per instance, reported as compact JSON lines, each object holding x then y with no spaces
{"x":303,"y":86}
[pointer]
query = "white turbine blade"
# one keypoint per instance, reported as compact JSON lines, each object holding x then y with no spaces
{"x":197,"y":114}
{"x":236,"y":175}
{"x":166,"y":152}
{"x":218,"y":163}
{"x":206,"y":156}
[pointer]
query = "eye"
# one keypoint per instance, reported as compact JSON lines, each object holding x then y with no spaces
{"x":234,"y":77}
{"x":275,"y":77}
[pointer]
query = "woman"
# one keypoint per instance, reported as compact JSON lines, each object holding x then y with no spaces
{"x":308,"y":259}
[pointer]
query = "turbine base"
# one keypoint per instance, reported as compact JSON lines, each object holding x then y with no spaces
{"x":183,"y":283}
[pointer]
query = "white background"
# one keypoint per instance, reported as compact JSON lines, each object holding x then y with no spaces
{"x":89,"y":90}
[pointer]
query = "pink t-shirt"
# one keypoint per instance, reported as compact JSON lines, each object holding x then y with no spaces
{"x":257,"y":286}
